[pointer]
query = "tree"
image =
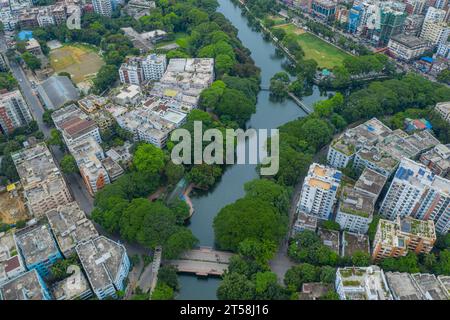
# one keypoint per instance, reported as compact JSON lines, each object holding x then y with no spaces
{"x":47,"y":117}
{"x":148,"y":159}
{"x":173,"y":172}
{"x":443,"y":266}
{"x":269,"y":191}
{"x":248,"y":218}
{"x":180,"y":241}
{"x":235,"y":105}
{"x":444,"y":76}
{"x":235,"y":286}
{"x":68,"y":164}
{"x":204,"y":175}
{"x":162,"y":292}
{"x":31,"y":60}
{"x":181,"y":210}
{"x":7,"y":81}
{"x":279,"y":85}
{"x":331,"y":225}
{"x":168,"y":275}
{"x":373,"y":227}
{"x":259,"y":251}
{"x":106,"y":76}
{"x":361,"y":259}
{"x":297,"y":275}
{"x":56,"y":139}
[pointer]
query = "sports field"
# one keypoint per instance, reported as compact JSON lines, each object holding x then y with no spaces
{"x":326,"y":55}
{"x":80,"y":61}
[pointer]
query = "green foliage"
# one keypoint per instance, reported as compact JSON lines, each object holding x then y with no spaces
{"x":361,"y":259}
{"x":235,"y":286}
{"x":204,"y":175}
{"x":269,"y":191}
{"x":7,"y":81}
{"x":330,"y":225}
{"x":307,"y":247}
{"x":31,"y":61}
{"x":68,"y":164}
{"x":106,"y":76}
{"x":148,"y":159}
{"x":297,"y":275}
{"x":162,"y":292}
{"x":373,"y":227}
{"x":168,"y":275}
{"x":58,"y":270}
{"x":408,"y":263}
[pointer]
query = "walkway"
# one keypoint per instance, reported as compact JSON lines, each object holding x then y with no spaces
{"x":300,"y":103}
{"x":188,"y":200}
{"x":203,"y":262}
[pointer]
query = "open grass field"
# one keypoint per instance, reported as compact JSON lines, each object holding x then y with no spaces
{"x":326,"y":55}
{"x":277,"y":20}
{"x":80,"y":61}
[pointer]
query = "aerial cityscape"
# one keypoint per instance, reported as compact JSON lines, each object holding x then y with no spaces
{"x":109,"y":191}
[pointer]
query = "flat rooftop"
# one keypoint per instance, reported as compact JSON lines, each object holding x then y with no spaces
{"x":353,"y":242}
{"x":371,"y":182}
{"x":409,"y":41}
{"x":36,"y":244}
{"x":403,"y":286}
{"x":70,"y":226}
{"x":101,"y":259}
{"x":71,"y":287}
{"x":330,"y":238}
{"x":422,"y":228}
{"x":355,"y":202}
{"x":430,"y":285}
{"x":306,"y":221}
{"x":25,"y":287}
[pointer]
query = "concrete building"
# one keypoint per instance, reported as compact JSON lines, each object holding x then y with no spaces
{"x":154,"y":66}
{"x":129,"y":95}
{"x":395,"y":238}
{"x":92,"y":103}
{"x":304,"y":222}
{"x":33,"y":47}
{"x":435,"y":14}
{"x":392,"y":20}
{"x":355,"y":210}
{"x":443,"y":108}
{"x":357,"y":283}
{"x":407,"y":48}
{"x":44,"y":187}
{"x":435,"y":32}
{"x":11,"y":263}
{"x":319,"y":190}
{"x":113,"y":168}
{"x":106,"y":264}
{"x":88,"y":155}
{"x":14,"y":112}
{"x":323,"y":9}
{"x":330,"y":238}
{"x":415,"y":191}
{"x":438,"y":160}
{"x":354,"y":242}
{"x":403,"y":286}
{"x":431,"y":287}
{"x":75,"y":287}
{"x":28,"y":286}
{"x":139,"y":8}
{"x":103,"y":7}
{"x":70,"y":227}
{"x":57,"y":91}
{"x":371,"y":183}
{"x":38,"y":248}
{"x":130,"y":72}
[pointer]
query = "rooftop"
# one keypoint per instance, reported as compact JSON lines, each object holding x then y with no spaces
{"x":305,"y":221}
{"x":25,"y":287}
{"x":101,"y":259}
{"x":323,"y":177}
{"x":76,"y":127}
{"x":62,"y":115}
{"x":403,"y":286}
{"x":422,"y":228}
{"x":59,"y":90}
{"x":70,"y":226}
{"x":36,"y":244}
{"x":409,"y":41}
{"x":314,"y":290}
{"x":330,"y":238}
{"x":371,"y":182}
{"x":431,"y":287}
{"x":91,"y":102}
{"x":9,"y":257}
{"x":71,"y":287}
{"x":355,"y":202}
{"x":353,"y":242}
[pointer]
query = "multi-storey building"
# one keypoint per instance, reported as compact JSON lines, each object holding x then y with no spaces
{"x":407,"y":47}
{"x":435,"y":33}
{"x":415,"y":191}
{"x":371,"y":183}
{"x":103,"y":7}
{"x":11,"y":263}
{"x":38,"y":248}
{"x":358,"y":283}
{"x":435,"y":14}
{"x":443,"y":108}
{"x":154,"y":66}
{"x":354,"y":18}
{"x":323,"y":9}
{"x":395,"y":238}
{"x":74,"y":287}
{"x":131,"y":72}
{"x":355,"y":210}
{"x":106,"y":264}
{"x":418,"y":286}
{"x":438,"y":160}
{"x":14,"y":112}
{"x":304,"y":222}
{"x":28,"y":286}
{"x":70,"y":227}
{"x":45,"y":17}
{"x":88,"y":155}
{"x":391,"y":21}
{"x":44,"y":187}
{"x":319,"y":191}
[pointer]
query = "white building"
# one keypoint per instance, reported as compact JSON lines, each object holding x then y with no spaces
{"x":14,"y":112}
{"x":415,"y":191}
{"x":319,"y":191}
{"x":355,"y":210}
{"x":11,"y":263}
{"x":106,"y":265}
{"x":356,"y":283}
{"x":435,"y":32}
{"x":103,"y":7}
{"x":434,"y":14}
{"x":131,"y":72}
{"x":154,"y":66}
{"x":407,"y":47}
{"x":443,"y":108}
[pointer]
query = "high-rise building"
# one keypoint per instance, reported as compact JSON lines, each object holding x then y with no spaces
{"x":354,"y":18}
{"x":392,"y":21}
{"x":435,"y":32}
{"x":103,"y":7}
{"x":319,"y":191}
{"x":131,"y":72}
{"x":395,"y":238}
{"x":14,"y":112}
{"x":434,"y":14}
{"x":416,"y":191}
{"x":154,"y":66}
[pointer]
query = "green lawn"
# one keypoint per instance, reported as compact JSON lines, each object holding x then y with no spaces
{"x":326,"y":55}
{"x":181,"y":39}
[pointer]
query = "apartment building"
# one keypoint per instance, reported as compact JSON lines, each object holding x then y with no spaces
{"x":371,"y":183}
{"x":103,"y":7}
{"x":304,"y":222}
{"x":406,"y":47}
{"x":92,"y":103}
{"x":70,"y":226}
{"x":319,"y":190}
{"x":418,"y":286}
{"x":44,"y":187}
{"x":154,"y":66}
{"x":438,"y":160}
{"x":355,"y":210}
{"x":27,"y":286}
{"x":130,"y":72}
{"x":435,"y":32}
{"x":443,"y":108}
{"x":357,"y":283}
{"x":415,"y":191}
{"x":11,"y":263}
{"x":88,"y":155}
{"x":395,"y":238}
{"x":38,"y":248}
{"x":14,"y":112}
{"x":106,"y":265}
{"x":74,"y":287}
